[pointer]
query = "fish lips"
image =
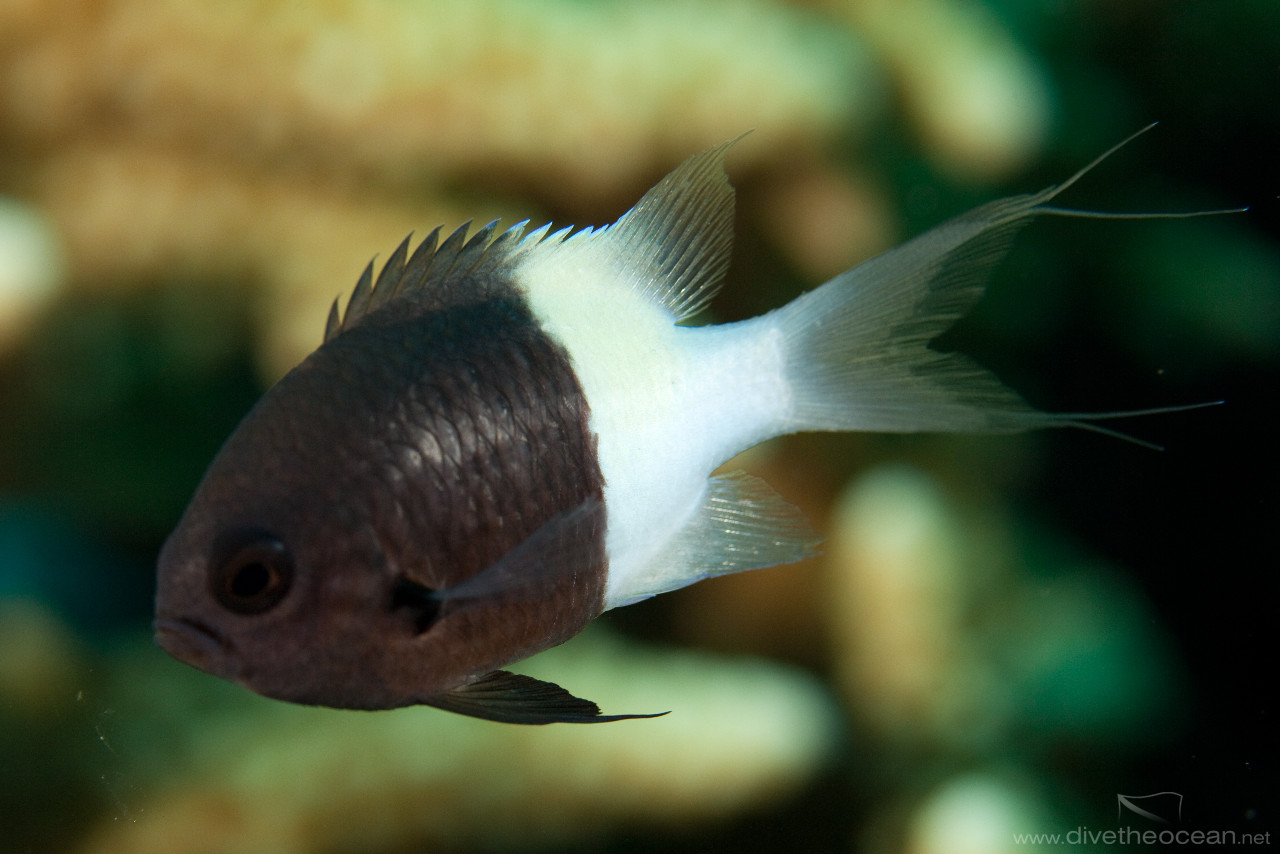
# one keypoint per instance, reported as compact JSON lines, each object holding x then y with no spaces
{"x":192,"y":642}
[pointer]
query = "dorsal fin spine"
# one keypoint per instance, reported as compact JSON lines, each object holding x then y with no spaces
{"x":336,"y":322}
{"x":333,"y":323}
{"x":392,"y":271}
{"x":453,"y":243}
{"x":430,"y":263}
{"x":418,"y":270}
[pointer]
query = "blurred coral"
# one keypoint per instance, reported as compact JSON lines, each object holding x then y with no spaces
{"x":957,"y":646}
{"x":950,"y":634}
{"x":32,"y":268}
{"x":289,"y":143}
{"x":131,"y":213}
{"x":39,"y":659}
{"x":900,"y":590}
{"x":977,"y":813}
{"x":978,"y":99}
{"x":236,"y":773}
{"x":402,"y":89}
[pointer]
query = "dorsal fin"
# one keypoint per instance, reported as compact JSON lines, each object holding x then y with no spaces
{"x":672,"y":248}
{"x":432,"y":268}
{"x":679,"y":236}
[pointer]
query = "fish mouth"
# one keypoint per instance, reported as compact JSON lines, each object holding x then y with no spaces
{"x":190,"y":640}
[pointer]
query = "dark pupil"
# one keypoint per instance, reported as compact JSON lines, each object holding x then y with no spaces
{"x":252,"y":572}
{"x":251,"y":580}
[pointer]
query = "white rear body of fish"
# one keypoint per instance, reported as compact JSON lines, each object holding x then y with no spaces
{"x":669,"y":404}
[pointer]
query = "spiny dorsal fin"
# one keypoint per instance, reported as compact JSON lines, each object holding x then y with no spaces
{"x":672,"y":248}
{"x":431,"y":268}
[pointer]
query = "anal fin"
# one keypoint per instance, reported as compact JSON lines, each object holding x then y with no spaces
{"x":741,"y":524}
{"x":517,"y":699}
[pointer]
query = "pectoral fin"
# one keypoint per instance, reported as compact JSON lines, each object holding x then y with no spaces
{"x":516,"y":699}
{"x":566,"y":545}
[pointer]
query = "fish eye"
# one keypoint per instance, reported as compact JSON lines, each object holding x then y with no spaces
{"x":253,"y":572}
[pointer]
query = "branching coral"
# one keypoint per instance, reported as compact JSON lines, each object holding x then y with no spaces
{"x":571,"y":92}
{"x":132,"y":212}
{"x":290,"y":142}
{"x":31,"y":268}
{"x":978,"y":99}
{"x":955,"y":647}
{"x":951,"y":637}
{"x":266,"y":776}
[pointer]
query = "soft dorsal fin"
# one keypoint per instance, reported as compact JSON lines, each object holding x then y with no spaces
{"x":672,"y":248}
{"x":517,"y":699}
{"x":677,"y":240}
{"x":471,"y":262}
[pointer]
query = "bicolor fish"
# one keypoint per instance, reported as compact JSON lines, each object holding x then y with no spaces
{"x":506,"y":434}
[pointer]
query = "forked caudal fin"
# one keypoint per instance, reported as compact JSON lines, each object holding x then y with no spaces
{"x":857,"y":347}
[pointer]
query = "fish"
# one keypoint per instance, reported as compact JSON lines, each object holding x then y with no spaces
{"x":506,"y":434}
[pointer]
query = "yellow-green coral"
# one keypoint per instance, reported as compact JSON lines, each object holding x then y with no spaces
{"x":32,"y":267}
{"x":133,"y":213}
{"x":583,"y":93}
{"x":978,"y":100}
{"x":257,"y":775}
{"x":952,"y":634}
{"x":287,"y":143}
